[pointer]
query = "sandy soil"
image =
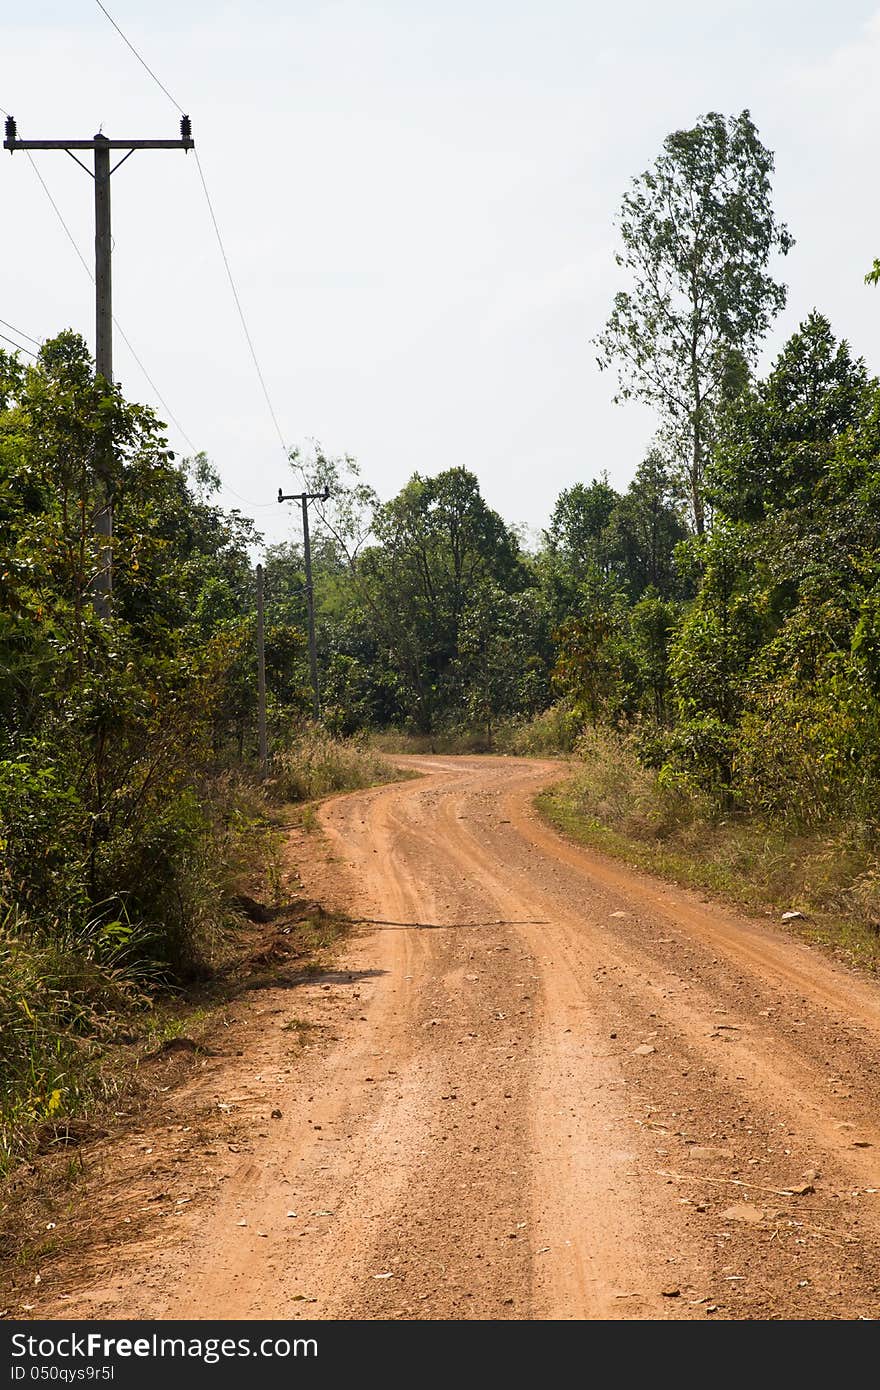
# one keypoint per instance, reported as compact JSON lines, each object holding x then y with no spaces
{"x":539,"y":1085}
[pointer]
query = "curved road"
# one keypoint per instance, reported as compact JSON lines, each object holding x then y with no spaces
{"x":549,"y":1087}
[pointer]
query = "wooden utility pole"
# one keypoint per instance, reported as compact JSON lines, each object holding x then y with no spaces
{"x":261,"y":676}
{"x":104,"y":368}
{"x":101,"y":146}
{"x":306,"y":498}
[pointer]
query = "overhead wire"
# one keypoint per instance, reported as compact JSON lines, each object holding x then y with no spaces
{"x":18,"y":331}
{"x":141,"y":60}
{"x":58,"y":213}
{"x":18,"y":347}
{"x":145,"y":65}
{"x":120,"y":331}
{"x":235,"y":296}
{"x":116,"y":324}
{"x":126,"y":339}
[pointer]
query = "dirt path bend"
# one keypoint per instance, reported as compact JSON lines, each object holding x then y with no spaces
{"x":547,"y":1087}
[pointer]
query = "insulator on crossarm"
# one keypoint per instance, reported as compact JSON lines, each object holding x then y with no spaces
{"x":11,"y":132}
{"x":185,"y":128}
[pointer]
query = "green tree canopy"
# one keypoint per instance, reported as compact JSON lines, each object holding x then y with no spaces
{"x":697,"y":232}
{"x":779,"y":436}
{"x":644,"y":529}
{"x":437,"y":543}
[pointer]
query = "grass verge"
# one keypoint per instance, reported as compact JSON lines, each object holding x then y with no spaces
{"x":830,"y":874}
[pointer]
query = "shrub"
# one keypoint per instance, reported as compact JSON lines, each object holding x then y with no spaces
{"x":61,"y":998}
{"x":556,"y":730}
{"x":316,"y":764}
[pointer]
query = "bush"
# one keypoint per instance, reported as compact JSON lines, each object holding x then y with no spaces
{"x":664,"y":823}
{"x":61,"y":998}
{"x":316,"y":764}
{"x":552,"y":733}
{"x":41,"y":831}
{"x":701,"y":751}
{"x":555,"y":731}
{"x":808,"y":754}
{"x":611,"y":785}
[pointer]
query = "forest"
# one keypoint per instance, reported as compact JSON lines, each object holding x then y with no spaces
{"x":706,"y":639}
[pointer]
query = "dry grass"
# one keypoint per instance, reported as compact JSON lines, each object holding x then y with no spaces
{"x":553,"y":732}
{"x":463,"y":741}
{"x":316,"y":764}
{"x":60,"y":1205}
{"x":831,"y":873}
{"x":73,"y":1007}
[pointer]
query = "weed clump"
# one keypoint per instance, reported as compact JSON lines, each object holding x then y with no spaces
{"x":315,"y":764}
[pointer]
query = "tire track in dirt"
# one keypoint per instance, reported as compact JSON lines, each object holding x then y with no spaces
{"x":556,"y":1088}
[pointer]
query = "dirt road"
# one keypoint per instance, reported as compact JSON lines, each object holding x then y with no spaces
{"x":541,"y":1086}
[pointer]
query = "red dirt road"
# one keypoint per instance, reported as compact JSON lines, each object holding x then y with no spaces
{"x":546,"y":1086}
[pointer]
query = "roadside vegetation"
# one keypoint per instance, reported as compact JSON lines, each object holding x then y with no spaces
{"x":131,"y":811}
{"x":704,"y":644}
{"x":829,"y":872}
{"x":315,"y":764}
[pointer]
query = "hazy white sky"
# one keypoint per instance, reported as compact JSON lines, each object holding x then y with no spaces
{"x":417,"y":202}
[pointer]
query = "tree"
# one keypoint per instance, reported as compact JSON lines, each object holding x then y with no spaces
{"x":777,"y":439}
{"x":437,"y":543}
{"x":577,"y":526}
{"x":575,"y":543}
{"x":652,"y":623}
{"x":595,"y":666}
{"x":346,"y":516}
{"x":645,"y":528}
{"x":698,"y":230}
{"x":109,"y":728}
{"x":503,"y":655}
{"x":709,"y":658}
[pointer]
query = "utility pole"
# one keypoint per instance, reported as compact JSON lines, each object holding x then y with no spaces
{"x":305,"y":498}
{"x":261,"y":676}
{"x":101,"y":147}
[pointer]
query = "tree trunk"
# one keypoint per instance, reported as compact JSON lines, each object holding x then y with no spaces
{"x":697,"y":450}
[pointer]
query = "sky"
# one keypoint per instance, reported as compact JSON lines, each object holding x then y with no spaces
{"x":417,"y":201}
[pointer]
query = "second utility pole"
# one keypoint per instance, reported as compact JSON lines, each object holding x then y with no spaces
{"x":306,"y":498}
{"x":101,"y":147}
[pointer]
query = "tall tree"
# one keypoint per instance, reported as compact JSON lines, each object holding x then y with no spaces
{"x":697,"y":232}
{"x":575,"y":543}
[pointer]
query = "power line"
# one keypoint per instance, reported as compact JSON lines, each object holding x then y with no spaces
{"x":122,"y":334}
{"x":144,"y":64}
{"x":91,"y":274}
{"x":158,"y":394}
{"x":17,"y":346}
{"x":58,"y":213}
{"x":238,"y":304}
{"x":232,"y":285}
{"x":35,"y":341}
{"x":254,"y":506}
